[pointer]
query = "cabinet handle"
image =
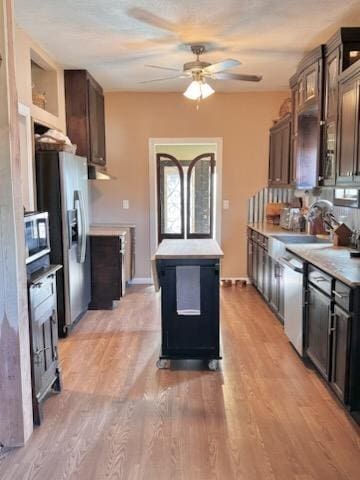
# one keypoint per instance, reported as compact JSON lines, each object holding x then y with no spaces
{"x":322,"y":123}
{"x":37,"y":358}
{"x":340,"y":295}
{"x":278,"y":179}
{"x":321,"y":178}
{"x":320,"y":279}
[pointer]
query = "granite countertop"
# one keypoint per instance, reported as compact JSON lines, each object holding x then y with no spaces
{"x":333,"y":260}
{"x":191,"y":248}
{"x":268,"y":229}
{"x":107,"y":231}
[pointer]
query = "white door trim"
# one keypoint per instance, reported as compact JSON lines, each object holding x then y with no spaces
{"x":218,"y":141}
{"x":27,"y":164}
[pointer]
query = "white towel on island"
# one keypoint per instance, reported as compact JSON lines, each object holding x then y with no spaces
{"x":188,"y":290}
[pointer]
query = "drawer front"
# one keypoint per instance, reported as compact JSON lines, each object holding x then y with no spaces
{"x":321,"y":280}
{"x":41,"y":291}
{"x":343,"y":296}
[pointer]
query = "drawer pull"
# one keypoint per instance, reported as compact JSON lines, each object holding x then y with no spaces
{"x":38,"y":358}
{"x":321,"y":279}
{"x":340,"y":294}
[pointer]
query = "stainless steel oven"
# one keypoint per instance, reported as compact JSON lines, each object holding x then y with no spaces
{"x":37,"y":242}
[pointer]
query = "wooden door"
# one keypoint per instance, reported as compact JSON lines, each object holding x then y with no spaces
{"x":347,"y":131}
{"x":275,"y":158}
{"x":266,"y":279}
{"x":317,"y":330}
{"x":274,"y":284}
{"x":260,"y":269}
{"x":96,"y":125}
{"x":250,"y":247}
{"x":255,"y":264}
{"x":44,"y":339}
{"x":285,"y":153}
{"x":340,"y":352}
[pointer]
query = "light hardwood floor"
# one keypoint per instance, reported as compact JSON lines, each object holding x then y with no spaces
{"x":264,"y":415}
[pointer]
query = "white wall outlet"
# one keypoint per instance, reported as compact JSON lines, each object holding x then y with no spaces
{"x":226,"y":204}
{"x":126,"y":204}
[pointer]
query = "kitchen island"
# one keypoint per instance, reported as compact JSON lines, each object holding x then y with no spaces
{"x":188,"y":274}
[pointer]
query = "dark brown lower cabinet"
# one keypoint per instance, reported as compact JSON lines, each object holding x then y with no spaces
{"x":107,"y":271}
{"x":341,"y":330}
{"x":260,"y":268}
{"x":318,"y":329}
{"x":265,"y":273}
{"x":43,"y":339}
{"x":276,"y":288}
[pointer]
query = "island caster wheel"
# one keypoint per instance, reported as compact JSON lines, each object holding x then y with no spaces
{"x":213,"y":365}
{"x":162,"y":363}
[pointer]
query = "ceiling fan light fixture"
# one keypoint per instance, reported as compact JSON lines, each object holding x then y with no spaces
{"x":198,"y":90}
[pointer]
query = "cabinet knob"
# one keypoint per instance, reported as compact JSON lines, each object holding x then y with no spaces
{"x":278,"y":179}
{"x":321,"y":178}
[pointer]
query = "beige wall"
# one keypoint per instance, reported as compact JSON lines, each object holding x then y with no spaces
{"x":241,"y":119}
{"x":23,"y":46}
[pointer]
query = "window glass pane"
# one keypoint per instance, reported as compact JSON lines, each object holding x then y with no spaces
{"x":170,"y":197}
{"x":200,"y":197}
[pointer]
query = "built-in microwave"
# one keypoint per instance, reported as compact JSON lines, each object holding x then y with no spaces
{"x":37,"y":241}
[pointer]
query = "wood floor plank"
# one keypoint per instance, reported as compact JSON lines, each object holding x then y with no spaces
{"x":263,"y":416}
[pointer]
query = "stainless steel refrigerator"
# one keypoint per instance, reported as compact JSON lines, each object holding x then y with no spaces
{"x":62,"y":190}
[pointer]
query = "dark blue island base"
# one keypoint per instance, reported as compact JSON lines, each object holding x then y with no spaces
{"x":189,"y":336}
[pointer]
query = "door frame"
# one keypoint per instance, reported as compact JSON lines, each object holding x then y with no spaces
{"x":153,"y":142}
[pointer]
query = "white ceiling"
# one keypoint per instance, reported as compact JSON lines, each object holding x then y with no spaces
{"x":108,"y":38}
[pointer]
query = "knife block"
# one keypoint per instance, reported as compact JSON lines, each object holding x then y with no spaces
{"x":342,"y":236}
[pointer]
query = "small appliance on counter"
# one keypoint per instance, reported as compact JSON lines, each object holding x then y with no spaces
{"x":42,"y":303}
{"x":273,"y":212}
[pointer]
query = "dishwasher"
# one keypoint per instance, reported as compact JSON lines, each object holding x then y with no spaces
{"x":294,"y":304}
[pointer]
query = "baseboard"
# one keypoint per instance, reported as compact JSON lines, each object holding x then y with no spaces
{"x":141,"y":281}
{"x":149,"y":280}
{"x":234,"y":279}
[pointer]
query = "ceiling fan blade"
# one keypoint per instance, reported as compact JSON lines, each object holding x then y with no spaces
{"x":237,"y":76}
{"x":151,"y":19}
{"x":164,"y":68}
{"x":162,"y":79}
{"x":221,"y":66}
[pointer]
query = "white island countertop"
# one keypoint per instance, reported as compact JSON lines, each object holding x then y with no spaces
{"x":107,"y":231}
{"x":205,"y":248}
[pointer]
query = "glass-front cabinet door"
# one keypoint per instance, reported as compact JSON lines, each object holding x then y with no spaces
{"x":300,"y":92}
{"x":328,"y":171}
{"x":310,"y":84}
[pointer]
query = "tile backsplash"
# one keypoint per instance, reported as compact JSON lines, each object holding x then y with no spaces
{"x":257,"y":203}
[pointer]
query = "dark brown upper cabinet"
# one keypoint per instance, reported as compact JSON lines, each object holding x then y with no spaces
{"x":279,"y":153}
{"x":307,"y":96}
{"x":85,"y":116}
{"x":341,"y":51}
{"x":347,"y":130}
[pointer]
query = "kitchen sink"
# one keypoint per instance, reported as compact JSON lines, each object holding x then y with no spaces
{"x":290,"y":239}
{"x":278,"y":243}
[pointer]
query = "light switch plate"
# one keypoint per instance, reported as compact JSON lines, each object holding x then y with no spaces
{"x":226,"y":204}
{"x":126,"y":204}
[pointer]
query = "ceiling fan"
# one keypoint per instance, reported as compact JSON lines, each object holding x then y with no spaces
{"x":200,"y":71}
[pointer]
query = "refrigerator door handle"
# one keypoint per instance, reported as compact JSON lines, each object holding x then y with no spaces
{"x":83,"y":229}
